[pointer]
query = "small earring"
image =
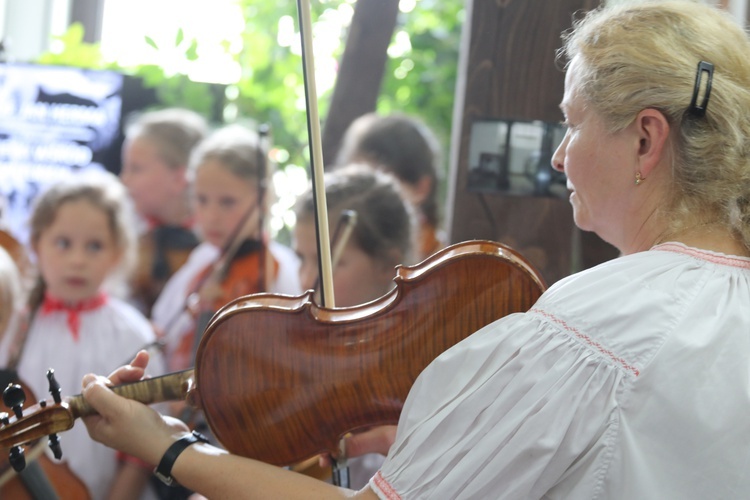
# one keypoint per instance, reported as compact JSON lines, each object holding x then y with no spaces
{"x":638,"y":179}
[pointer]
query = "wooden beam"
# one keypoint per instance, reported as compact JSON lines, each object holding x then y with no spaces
{"x":507,"y":71}
{"x":361,"y":70}
{"x":89,"y":13}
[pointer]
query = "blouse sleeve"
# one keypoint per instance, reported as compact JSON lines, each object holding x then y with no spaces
{"x":507,"y":413}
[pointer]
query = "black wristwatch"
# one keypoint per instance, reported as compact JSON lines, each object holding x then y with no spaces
{"x":164,"y":469}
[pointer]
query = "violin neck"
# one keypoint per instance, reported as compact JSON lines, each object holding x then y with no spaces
{"x":171,"y":387}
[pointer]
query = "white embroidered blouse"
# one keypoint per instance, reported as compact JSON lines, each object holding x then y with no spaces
{"x":628,"y":380}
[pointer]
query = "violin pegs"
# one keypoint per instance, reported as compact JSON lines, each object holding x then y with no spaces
{"x":17,"y":458}
{"x":54,"y":386}
{"x":13,"y":398}
{"x":54,"y":445}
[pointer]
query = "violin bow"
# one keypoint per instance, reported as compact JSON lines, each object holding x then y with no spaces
{"x":264,"y":274}
{"x":221,"y":264}
{"x":325,"y":267}
{"x":344,"y":228}
{"x":317,"y":169}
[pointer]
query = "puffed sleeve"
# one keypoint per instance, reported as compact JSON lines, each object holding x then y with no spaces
{"x":506,"y":413}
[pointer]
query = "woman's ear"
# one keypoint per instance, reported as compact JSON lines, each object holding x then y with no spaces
{"x":653,"y":132}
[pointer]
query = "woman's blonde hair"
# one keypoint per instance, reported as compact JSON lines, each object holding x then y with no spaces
{"x":105,"y":192}
{"x":645,"y":55}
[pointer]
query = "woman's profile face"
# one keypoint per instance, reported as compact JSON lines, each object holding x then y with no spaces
{"x":600,"y":165}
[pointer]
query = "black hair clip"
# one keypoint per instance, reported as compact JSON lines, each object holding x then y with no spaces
{"x":694,"y":109}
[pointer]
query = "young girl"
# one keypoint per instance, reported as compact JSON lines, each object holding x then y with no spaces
{"x":405,"y":147}
{"x":380,"y":239}
{"x":235,"y":258}
{"x":364,"y":268}
{"x":154,"y":169}
{"x":82,"y":236}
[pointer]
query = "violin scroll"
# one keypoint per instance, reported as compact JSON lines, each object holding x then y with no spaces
{"x":14,"y":398}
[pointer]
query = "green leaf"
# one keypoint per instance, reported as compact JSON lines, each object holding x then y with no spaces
{"x":151,"y":42}
{"x":191,"y":54}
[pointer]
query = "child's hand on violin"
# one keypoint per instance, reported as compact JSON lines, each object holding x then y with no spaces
{"x":124,"y":424}
{"x":376,"y":440}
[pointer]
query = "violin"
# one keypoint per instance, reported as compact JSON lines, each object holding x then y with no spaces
{"x":161,"y":252}
{"x":271,"y":367}
{"x":42,"y":477}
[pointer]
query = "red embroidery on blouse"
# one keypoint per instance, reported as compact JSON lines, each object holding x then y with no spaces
{"x":589,"y":341}
{"x":385,"y":487}
{"x":726,"y":260}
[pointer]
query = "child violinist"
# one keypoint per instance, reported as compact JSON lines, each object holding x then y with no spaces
{"x":404,"y":146}
{"x":82,"y":235}
{"x":227,"y":172}
{"x":154,"y":169}
{"x":381,"y":237}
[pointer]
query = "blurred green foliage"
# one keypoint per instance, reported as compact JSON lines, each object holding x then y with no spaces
{"x":419,"y":80}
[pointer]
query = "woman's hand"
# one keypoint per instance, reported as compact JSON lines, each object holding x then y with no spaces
{"x":127,"y":425}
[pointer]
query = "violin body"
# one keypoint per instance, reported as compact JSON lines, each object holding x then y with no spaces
{"x":240,"y":276}
{"x":282,"y":379}
{"x":161,"y":252}
{"x":66,"y":484}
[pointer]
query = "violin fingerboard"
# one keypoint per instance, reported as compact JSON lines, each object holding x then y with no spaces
{"x":170,"y":387}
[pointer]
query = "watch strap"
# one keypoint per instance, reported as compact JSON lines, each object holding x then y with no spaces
{"x":164,"y":470}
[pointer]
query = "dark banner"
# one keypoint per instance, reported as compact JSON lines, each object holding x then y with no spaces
{"x":54,"y":122}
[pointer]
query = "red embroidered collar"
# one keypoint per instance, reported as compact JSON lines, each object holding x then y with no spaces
{"x":52,"y":304}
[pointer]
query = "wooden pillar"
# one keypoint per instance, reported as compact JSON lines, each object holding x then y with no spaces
{"x":89,"y":13}
{"x":361,"y":71}
{"x":507,"y":70}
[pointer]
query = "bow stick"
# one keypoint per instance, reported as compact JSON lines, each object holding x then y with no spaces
{"x":325,"y":268}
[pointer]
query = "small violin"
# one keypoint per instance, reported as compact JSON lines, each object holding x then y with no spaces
{"x":161,"y":252}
